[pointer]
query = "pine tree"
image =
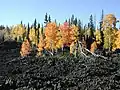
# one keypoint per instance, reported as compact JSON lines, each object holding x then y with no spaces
{"x":46,"y":19}
{"x":21,"y":23}
{"x":28,"y":31}
{"x":91,"y":27}
{"x":75,"y":22}
{"x":72,"y":19}
{"x":55,"y":21}
{"x":80,"y":29}
{"x":42,"y":28}
{"x":66,"y":20}
{"x":101,"y":21}
{"x":69,"y":22}
{"x":38,"y":32}
{"x":49,"y":19}
{"x":35,"y":24}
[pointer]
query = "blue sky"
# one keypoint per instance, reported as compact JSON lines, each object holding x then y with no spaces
{"x":13,"y":11}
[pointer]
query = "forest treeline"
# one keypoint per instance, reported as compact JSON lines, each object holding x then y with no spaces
{"x":53,"y":36}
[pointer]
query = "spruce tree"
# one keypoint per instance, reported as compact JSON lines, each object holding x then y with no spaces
{"x":66,"y":20}
{"x":38,"y":32}
{"x":80,"y":28}
{"x":91,"y":27}
{"x":46,"y":19}
{"x":21,"y":23}
{"x":35,"y":24}
{"x":55,"y":21}
{"x":75,"y":22}
{"x":72,"y":19}
{"x":42,"y":28}
{"x":69,"y":22}
{"x":28,"y":31}
{"x":101,"y":31}
{"x":49,"y":19}
{"x":101,"y":21}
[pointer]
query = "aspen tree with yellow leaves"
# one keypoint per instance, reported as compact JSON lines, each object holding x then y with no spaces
{"x":33,"y":36}
{"x":98,"y":37}
{"x":109,"y":23}
{"x":18,"y":32}
{"x":41,"y":45}
{"x":117,"y":41}
{"x":74,"y":38}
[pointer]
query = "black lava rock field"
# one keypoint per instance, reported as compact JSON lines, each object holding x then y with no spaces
{"x":58,"y":73}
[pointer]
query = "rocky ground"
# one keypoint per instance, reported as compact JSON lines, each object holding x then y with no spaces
{"x":57,"y":73}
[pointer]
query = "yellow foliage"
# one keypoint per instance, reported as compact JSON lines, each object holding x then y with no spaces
{"x":74,"y":33}
{"x":32,"y":36}
{"x":72,"y":47}
{"x":41,"y":45}
{"x":18,"y":31}
{"x":117,"y":40}
{"x":93,"y":46}
{"x":98,"y":37}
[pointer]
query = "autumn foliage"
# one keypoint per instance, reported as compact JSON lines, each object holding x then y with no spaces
{"x":65,"y":31}
{"x":117,"y":41}
{"x":53,"y":37}
{"x":41,"y":46}
{"x":93,"y":46}
{"x":25,"y":48}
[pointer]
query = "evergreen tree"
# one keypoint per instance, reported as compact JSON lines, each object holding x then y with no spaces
{"x":28,"y":31}
{"x":101,"y":21}
{"x":85,"y":31}
{"x":91,"y":27}
{"x":75,"y":22}
{"x":21,"y":23}
{"x":69,"y":22}
{"x":42,"y":28}
{"x":91,"y":23}
{"x":46,"y":19}
{"x":72,"y":19}
{"x":49,"y":19}
{"x":35,"y":24}
{"x":38,"y":25}
{"x":101,"y":32}
{"x":66,"y":20}
{"x":38,"y":32}
{"x":55,"y":21}
{"x":80,"y":28}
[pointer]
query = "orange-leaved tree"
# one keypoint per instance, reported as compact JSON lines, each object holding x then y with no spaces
{"x":25,"y":48}
{"x":93,"y":46}
{"x":41,"y":45}
{"x":51,"y":36}
{"x":65,"y":31}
